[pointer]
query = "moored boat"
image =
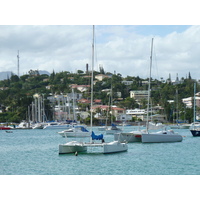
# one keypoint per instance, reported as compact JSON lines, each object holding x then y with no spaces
{"x":76,"y":131}
{"x":56,"y":125}
{"x":103,"y":147}
{"x":129,"y":137}
{"x":161,"y":136}
{"x":113,"y":129}
{"x":155,"y":136}
{"x":5,"y":128}
{"x":195,"y":132}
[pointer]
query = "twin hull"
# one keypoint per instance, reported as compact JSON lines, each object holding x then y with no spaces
{"x":150,"y":138}
{"x":112,"y":147}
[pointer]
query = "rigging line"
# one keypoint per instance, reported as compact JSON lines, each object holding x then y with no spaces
{"x":156,"y":63}
{"x":96,"y":58}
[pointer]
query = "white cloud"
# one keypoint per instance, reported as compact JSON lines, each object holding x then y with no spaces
{"x":119,"y":48}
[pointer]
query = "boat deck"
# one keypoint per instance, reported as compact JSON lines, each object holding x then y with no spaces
{"x":94,"y":144}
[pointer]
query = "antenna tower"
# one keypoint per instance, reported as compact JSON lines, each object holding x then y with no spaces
{"x":18,"y":63}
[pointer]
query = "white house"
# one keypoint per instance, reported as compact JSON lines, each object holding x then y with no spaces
{"x":189,"y":101}
{"x":127,"y":82}
{"x":100,"y":77}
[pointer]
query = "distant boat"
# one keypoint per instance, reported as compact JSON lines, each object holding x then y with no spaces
{"x":38,"y":126}
{"x":129,"y":137}
{"x":180,"y":126}
{"x":57,"y":125}
{"x":161,"y":136}
{"x":5,"y":128}
{"x":8,"y":131}
{"x":24,"y":125}
{"x":157,"y":136}
{"x":76,"y":131}
{"x":113,"y":129}
{"x":102,"y":128}
{"x":195,"y":126}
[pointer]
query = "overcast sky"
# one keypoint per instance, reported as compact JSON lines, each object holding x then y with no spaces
{"x":119,"y":48}
{"x":123,"y":49}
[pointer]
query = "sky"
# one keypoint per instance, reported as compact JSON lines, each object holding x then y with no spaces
{"x":57,"y":36}
{"x":123,"y":49}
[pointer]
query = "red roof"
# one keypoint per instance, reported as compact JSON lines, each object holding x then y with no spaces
{"x":84,"y":101}
{"x":97,"y":100}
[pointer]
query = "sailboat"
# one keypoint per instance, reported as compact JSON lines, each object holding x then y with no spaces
{"x":75,"y":131}
{"x":113,"y":129}
{"x":146,"y":135}
{"x":75,"y":146}
{"x":163,"y":135}
{"x":195,"y":127}
{"x":129,"y":137}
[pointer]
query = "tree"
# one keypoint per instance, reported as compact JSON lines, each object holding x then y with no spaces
{"x":80,"y":72}
{"x":101,"y":70}
{"x":189,"y":76}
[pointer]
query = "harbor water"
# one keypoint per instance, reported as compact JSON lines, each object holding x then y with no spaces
{"x":35,"y":152}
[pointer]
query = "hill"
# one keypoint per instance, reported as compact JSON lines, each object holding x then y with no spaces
{"x":7,"y":74}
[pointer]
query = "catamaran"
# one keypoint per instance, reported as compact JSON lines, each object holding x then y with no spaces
{"x":163,"y":135}
{"x":97,"y":141}
{"x":149,"y":135}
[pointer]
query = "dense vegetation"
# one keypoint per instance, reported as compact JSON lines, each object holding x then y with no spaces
{"x":16,"y":93}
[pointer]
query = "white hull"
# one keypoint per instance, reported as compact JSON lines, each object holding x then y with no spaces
{"x":77,"y":131}
{"x":183,"y":126}
{"x":57,"y":127}
{"x":134,"y":136}
{"x":111,"y":147}
{"x":102,"y":128}
{"x":157,"y":137}
{"x":113,"y":131}
{"x":114,"y":147}
{"x":75,"y":134}
{"x":71,"y":147}
{"x":38,"y":126}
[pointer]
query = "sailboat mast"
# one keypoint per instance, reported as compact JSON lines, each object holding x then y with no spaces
{"x":149,"y":87}
{"x":194,"y":103}
{"x":92,"y":79}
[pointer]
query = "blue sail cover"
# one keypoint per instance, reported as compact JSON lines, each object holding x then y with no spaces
{"x":84,"y":129}
{"x":96,"y":137}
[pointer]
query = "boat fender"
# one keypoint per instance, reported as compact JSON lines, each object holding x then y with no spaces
{"x":102,"y":140}
{"x":76,"y":153}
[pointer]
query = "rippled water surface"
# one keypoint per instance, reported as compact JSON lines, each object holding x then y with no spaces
{"x":35,"y":152}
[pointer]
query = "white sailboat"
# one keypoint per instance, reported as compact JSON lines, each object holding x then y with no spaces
{"x":162,"y":135}
{"x":57,"y":125}
{"x":76,"y":131}
{"x":113,"y":129}
{"x":129,"y":137}
{"x":75,"y":147}
{"x":195,"y":126}
{"x":149,"y":134}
